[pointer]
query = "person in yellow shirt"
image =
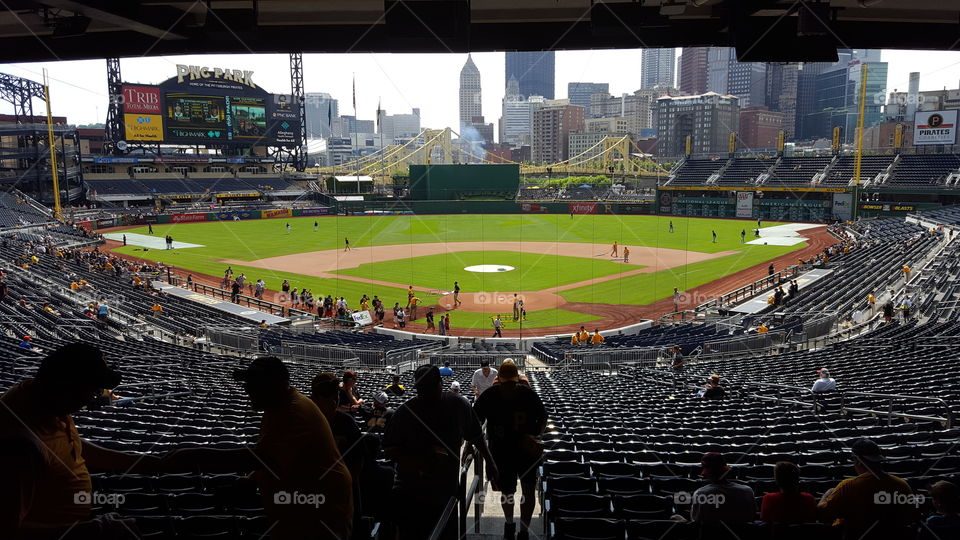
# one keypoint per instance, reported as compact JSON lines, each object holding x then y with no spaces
{"x":626,"y":254}
{"x":74,"y":286}
{"x":410,"y":295}
{"x":613,"y":252}
{"x":762,"y":328}
{"x":306,"y":489}
{"x":414,"y":302}
{"x":583,"y":336}
{"x":263,"y":324}
{"x":157,"y":309}
{"x":46,"y":490}
{"x":574,"y":340}
{"x":596,"y":338}
{"x":34,"y":259}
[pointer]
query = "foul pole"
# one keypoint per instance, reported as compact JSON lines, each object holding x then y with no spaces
{"x":53,"y":148}
{"x":859,"y":156}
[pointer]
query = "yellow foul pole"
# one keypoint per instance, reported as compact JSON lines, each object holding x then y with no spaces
{"x":859,"y":157}
{"x":53,"y":148}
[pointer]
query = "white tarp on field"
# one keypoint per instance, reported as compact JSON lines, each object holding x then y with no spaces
{"x":781,"y":235}
{"x":147,"y":241}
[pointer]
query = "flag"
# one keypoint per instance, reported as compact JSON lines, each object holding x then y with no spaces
{"x":378,"y":114}
{"x":354,"y":94}
{"x":329,"y":114}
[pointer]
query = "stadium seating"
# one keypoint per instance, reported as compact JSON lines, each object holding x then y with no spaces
{"x":695,"y":171}
{"x":923,"y":170}
{"x":841,"y":174}
{"x":744,"y":171}
{"x":16,"y":211}
{"x":797,"y":171}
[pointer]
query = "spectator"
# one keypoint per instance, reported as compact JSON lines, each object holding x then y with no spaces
{"x":446,"y":370}
{"x":789,"y":505}
{"x":375,"y":485}
{"x":713,"y":390}
{"x":870,"y":505}
{"x":455,"y":387}
{"x":483,"y":378}
{"x":296,"y":452}
{"x":825,"y":383}
{"x":515,"y":419}
{"x":424,"y":438}
{"x":678,"y":362}
{"x":349,"y":400}
{"x":380,"y":414}
{"x":596,"y":338}
{"x":395,"y":388}
{"x":721,"y":499}
{"x":888,"y":311}
{"x":46,"y":462}
{"x":325,"y":392}
{"x":945,"y":523}
{"x":103,"y":312}
{"x":157,"y":309}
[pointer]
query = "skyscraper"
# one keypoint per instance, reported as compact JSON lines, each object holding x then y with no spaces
{"x":782,"y":94}
{"x":657,"y":67}
{"x":693,"y":70}
{"x":322,"y":110}
{"x":517,"y":115}
{"x":579,"y":92}
{"x":707,"y":119}
{"x":470,"y":103}
{"x":535,"y":72}
{"x":552,"y":125}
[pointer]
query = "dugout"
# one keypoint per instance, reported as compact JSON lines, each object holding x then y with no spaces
{"x":464,"y":182}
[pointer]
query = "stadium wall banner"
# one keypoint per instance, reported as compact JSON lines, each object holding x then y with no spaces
{"x":744,"y":204}
{"x":231,"y":215}
{"x":323,"y":211}
{"x":634,"y":208}
{"x":143,"y":127}
{"x":105,"y":223}
{"x":935,"y":127}
{"x":530,"y":207}
{"x":795,"y":203}
{"x":276,"y":213}
{"x":187,"y":218}
{"x":88,"y":225}
{"x":665,"y":203}
{"x":582,"y":208}
{"x":843,"y":206}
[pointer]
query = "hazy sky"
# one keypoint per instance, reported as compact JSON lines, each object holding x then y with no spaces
{"x":401,"y":81}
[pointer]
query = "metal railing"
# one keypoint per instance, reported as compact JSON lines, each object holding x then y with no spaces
{"x":228,"y":339}
{"x":608,"y":358}
{"x":473,"y":359}
{"x":249,"y":301}
{"x":468,"y":490}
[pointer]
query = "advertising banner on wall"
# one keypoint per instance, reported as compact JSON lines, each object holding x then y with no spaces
{"x":235,"y":215}
{"x":665,"y":203}
{"x":323,"y":211}
{"x":583,"y":208}
{"x":187,"y":218}
{"x":275,"y":213}
{"x":745,"y":204}
{"x":935,"y":127}
{"x":634,"y":208}
{"x":843,"y":206}
{"x":143,"y":127}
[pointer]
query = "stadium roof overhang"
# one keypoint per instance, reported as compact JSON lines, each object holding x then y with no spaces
{"x":762,"y":30}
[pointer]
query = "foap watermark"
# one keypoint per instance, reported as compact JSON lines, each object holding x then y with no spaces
{"x":306,"y":499}
{"x":685,"y":498}
{"x":496,"y":298}
{"x":99,"y":498}
{"x":501,"y":498}
{"x":900,"y":499}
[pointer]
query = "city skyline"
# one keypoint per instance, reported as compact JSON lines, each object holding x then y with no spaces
{"x":402,"y":82}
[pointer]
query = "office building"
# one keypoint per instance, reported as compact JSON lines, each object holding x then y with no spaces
{"x":552,"y":125}
{"x":759,"y":128}
{"x":470,"y":102}
{"x":707,"y":118}
{"x":693,"y":70}
{"x":657,"y":68}
{"x":321,"y":110}
{"x":579,"y":92}
{"x":535,"y":72}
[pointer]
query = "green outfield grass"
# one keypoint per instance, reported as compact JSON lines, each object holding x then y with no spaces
{"x":258,"y":239}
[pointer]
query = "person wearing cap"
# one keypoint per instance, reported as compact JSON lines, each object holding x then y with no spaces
{"x":945,"y":522}
{"x":596,"y":338}
{"x":380,"y":414}
{"x":483,"y":378}
{"x":583,"y":336}
{"x":515,"y":419}
{"x":424,"y":438}
{"x":824,"y":383}
{"x":871,"y":504}
{"x":46,"y":487}
{"x":455,"y":387}
{"x":722,"y":499}
{"x":296,"y":453}
{"x":446,"y":370}
{"x":395,"y":388}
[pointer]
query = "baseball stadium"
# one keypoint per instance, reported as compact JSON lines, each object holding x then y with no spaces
{"x":214,"y":325}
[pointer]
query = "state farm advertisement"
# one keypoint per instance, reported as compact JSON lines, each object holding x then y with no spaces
{"x":187,"y":218}
{"x":583,"y":208}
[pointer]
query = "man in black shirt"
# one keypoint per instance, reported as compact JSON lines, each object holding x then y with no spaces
{"x":424,"y":437}
{"x":515,"y":419}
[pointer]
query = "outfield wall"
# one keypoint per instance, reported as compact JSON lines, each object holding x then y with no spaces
{"x":199,"y":217}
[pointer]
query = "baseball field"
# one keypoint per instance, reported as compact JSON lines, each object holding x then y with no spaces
{"x":562,"y":266}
